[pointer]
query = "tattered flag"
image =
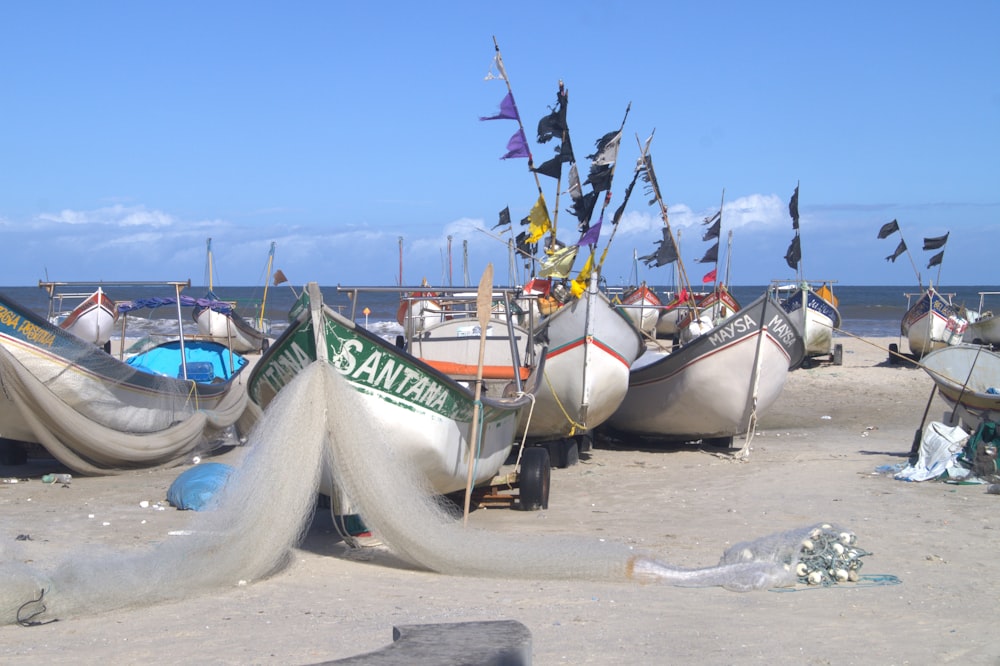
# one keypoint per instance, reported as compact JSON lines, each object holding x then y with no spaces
{"x":888,"y":228}
{"x":592,"y":235}
{"x":496,"y":63}
{"x":279,"y":277}
{"x":504,"y":218}
{"x":711,"y":256}
{"x":935,"y":243}
{"x":793,"y":210}
{"x":716,"y":228}
{"x":508,"y":110}
{"x":553,"y":167}
{"x":579,"y":284}
{"x":554,"y":124}
{"x":900,"y":249}
{"x":794,"y":254}
{"x":599,"y":177}
{"x":607,"y":149}
{"x":538,"y":219}
{"x":666,"y":251}
{"x":559,"y":263}
{"x":936,"y":259}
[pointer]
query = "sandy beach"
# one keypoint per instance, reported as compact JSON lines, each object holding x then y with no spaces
{"x":814,"y":458}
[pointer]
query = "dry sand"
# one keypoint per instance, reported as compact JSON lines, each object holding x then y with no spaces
{"x":814,"y":459}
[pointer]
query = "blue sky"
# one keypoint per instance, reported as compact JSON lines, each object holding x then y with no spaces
{"x":132,"y":132}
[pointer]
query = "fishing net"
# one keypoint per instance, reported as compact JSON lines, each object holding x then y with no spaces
{"x":97,"y":414}
{"x":317,"y":422}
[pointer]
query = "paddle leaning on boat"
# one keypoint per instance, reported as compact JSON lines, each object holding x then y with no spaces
{"x":428,"y":416}
{"x":99,"y":414}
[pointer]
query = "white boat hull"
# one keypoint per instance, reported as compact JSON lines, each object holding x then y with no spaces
{"x":591,"y":346}
{"x":968,"y":379}
{"x":932,"y":323}
{"x":709,"y":387}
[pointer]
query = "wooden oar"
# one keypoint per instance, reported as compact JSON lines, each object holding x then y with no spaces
{"x":484,"y":302}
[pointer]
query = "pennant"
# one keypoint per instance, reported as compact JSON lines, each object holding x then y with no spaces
{"x":936,"y":259}
{"x":583,"y":208}
{"x":579,"y":285}
{"x":628,"y":193}
{"x":599,"y":177}
{"x":711,"y":256}
{"x":793,"y":210}
{"x":508,"y":110}
{"x":497,"y":64}
{"x":592,"y":235}
{"x":666,"y":251}
{"x":900,"y":249}
{"x":279,"y":277}
{"x":538,"y":220}
{"x":554,"y":124}
{"x":559,"y":263}
{"x":607,"y":149}
{"x":794,"y":254}
{"x":888,"y":228}
{"x":714,"y":230}
{"x":504,"y":218}
{"x":553,"y":168}
{"x":523,"y":244}
{"x":710,"y":276}
{"x":517,"y":146}
{"x":935,"y":243}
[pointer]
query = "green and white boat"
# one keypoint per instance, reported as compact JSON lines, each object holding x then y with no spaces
{"x":427,"y":414}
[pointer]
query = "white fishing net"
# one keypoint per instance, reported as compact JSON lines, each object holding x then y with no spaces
{"x":317,"y":419}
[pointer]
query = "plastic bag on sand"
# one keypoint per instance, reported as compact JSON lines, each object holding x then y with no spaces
{"x":194,"y":488}
{"x":940,"y":445}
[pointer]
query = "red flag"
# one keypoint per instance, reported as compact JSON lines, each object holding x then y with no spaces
{"x":709,"y":276}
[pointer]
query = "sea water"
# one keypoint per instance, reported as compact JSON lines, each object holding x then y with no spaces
{"x":866,"y":311}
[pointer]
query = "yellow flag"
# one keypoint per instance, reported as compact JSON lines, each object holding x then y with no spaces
{"x":538,"y":220}
{"x":579,"y":285}
{"x":559,"y":263}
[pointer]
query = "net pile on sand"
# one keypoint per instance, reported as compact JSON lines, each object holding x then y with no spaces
{"x":314,"y":423}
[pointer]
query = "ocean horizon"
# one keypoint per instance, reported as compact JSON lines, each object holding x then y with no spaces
{"x":866,"y":311}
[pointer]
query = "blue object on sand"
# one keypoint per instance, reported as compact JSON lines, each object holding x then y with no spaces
{"x":195,"y":488}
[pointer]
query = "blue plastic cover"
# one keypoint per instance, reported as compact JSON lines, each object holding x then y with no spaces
{"x":194,"y":488}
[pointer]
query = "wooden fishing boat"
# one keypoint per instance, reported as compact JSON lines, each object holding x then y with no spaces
{"x":225,"y":325}
{"x":968,"y":379}
{"x":591,"y":346}
{"x":93,"y":319}
{"x":984,"y":324}
{"x":711,"y":387}
{"x":643,"y":307}
{"x":98,"y":414}
{"x":932,"y":322}
{"x":814,"y":311}
{"x":429,"y":412}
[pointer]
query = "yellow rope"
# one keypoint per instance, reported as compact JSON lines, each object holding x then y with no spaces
{"x":573,"y":424}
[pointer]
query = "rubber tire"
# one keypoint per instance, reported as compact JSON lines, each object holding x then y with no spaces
{"x":584,"y":442}
{"x":838,"y":354}
{"x":893,"y":351}
{"x":570,"y":452}
{"x":534,"y":478}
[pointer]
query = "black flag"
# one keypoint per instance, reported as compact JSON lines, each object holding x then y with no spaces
{"x":936,"y":259}
{"x":504,"y":218}
{"x":888,"y":228}
{"x":666,"y":251}
{"x":935,"y":243}
{"x":900,"y":249}
{"x":794,"y":253}
{"x":711,"y":256}
{"x":553,"y":168}
{"x":714,"y":230}
{"x":793,"y":210}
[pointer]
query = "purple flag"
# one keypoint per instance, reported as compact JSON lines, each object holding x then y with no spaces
{"x":517,"y":146}
{"x":591,"y":235}
{"x":508,"y":110}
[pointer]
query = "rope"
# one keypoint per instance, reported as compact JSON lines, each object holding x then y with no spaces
{"x":573,"y":424}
